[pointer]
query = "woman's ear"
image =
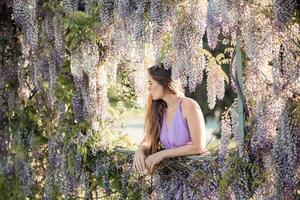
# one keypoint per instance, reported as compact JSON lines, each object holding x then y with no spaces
{"x":172,"y":86}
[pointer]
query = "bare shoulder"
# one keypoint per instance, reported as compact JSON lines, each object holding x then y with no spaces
{"x":189,"y":106}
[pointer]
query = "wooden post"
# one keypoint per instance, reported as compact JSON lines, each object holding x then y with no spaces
{"x":240,"y":102}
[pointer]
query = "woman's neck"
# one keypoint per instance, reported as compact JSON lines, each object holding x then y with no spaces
{"x":171,"y":100}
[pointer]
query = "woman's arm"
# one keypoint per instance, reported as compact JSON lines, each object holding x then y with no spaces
{"x":144,"y":145}
{"x":140,"y":156}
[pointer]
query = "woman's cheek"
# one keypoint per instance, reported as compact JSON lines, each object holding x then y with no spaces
{"x":160,"y":90}
{"x":154,"y":89}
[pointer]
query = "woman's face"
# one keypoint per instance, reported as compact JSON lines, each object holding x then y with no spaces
{"x":156,"y":90}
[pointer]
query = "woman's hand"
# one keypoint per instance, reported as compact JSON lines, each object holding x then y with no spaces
{"x":139,"y":161}
{"x":154,"y":159}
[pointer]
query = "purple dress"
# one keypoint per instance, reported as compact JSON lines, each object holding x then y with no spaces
{"x":176,"y":135}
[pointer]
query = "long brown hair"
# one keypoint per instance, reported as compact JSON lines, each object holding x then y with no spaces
{"x":155,"y":108}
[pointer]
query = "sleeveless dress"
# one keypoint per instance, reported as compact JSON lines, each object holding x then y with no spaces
{"x":176,"y":135}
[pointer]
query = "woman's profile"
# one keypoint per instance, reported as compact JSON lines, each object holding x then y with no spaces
{"x":172,"y":121}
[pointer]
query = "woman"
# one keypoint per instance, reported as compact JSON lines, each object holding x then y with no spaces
{"x":172,"y":120}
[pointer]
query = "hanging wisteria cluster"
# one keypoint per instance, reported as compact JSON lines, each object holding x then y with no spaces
{"x":57,"y":128}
